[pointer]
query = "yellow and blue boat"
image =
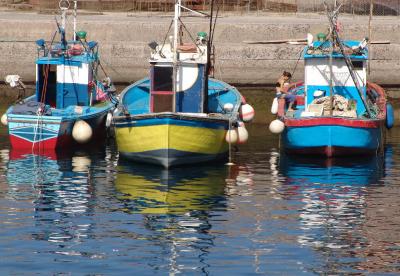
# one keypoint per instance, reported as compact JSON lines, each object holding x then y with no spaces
{"x":179,"y":115}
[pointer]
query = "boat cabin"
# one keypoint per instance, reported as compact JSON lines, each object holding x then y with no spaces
{"x":318,"y":76}
{"x":191,"y":78}
{"x":66,"y":77}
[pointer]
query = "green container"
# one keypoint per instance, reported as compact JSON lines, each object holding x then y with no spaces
{"x":321,"y":37}
{"x":81,"y":35}
{"x":202,"y":34}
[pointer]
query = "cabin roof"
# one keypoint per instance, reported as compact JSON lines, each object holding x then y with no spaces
{"x":322,"y":50}
{"x":72,"y":60}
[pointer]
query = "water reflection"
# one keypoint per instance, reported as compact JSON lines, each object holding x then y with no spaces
{"x":334,"y":218}
{"x":178,"y":206}
{"x":58,"y":188}
{"x":152,"y":190}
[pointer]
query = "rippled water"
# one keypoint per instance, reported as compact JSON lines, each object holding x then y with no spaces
{"x":89,"y":213}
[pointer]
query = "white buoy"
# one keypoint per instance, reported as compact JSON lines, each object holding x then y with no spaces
{"x":246,"y":112}
{"x":82,"y":132}
{"x":4,"y":119}
{"x":242,"y":133}
{"x":319,"y":94}
{"x":276,"y":126}
{"x":12,"y":80}
{"x":231,"y":136}
{"x":228,"y":107}
{"x":109,"y":119}
{"x":275,"y":106}
{"x":310,"y":40}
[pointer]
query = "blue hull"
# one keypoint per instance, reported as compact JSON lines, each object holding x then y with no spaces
{"x":333,"y":140}
{"x":29,"y":131}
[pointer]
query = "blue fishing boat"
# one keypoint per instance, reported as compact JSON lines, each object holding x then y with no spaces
{"x":179,"y":115}
{"x":70,"y":104}
{"x":338,"y":111}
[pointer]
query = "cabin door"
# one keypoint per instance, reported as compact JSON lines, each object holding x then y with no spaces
{"x":161,"y":89}
{"x":46,"y":84}
{"x":190,"y":86}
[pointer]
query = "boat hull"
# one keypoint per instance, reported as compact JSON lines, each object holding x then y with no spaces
{"x":51,"y":132}
{"x":170,"y":139}
{"x":332,"y":137}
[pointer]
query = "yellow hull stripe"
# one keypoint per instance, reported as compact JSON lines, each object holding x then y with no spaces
{"x":181,"y":138}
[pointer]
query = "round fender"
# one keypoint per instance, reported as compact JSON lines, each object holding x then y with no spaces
{"x":246,"y":112}
{"x":276,"y":126}
{"x":231,"y":136}
{"x":4,"y":119}
{"x":82,"y":132}
{"x":275,"y":106}
{"x":242,"y":133}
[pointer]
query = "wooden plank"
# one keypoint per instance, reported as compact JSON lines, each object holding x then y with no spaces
{"x":299,"y":40}
{"x":380,"y":42}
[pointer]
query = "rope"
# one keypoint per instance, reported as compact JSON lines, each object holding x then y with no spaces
{"x":191,"y":37}
{"x":39,"y":120}
{"x":214,"y":24}
{"x":297,"y":62}
{"x":115,"y":71}
{"x":165,"y":38}
{"x":44,"y":88}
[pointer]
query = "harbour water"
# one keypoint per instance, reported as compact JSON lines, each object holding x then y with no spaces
{"x":88,"y":213}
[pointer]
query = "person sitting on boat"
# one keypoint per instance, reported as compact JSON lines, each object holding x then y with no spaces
{"x":282,"y":86}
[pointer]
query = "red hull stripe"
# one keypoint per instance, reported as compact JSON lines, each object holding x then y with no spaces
{"x":18,"y":143}
{"x":332,"y":151}
{"x":321,"y":121}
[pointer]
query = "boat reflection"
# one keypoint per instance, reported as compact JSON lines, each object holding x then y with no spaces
{"x":148,"y":190}
{"x":177,"y":206}
{"x":57,"y":187}
{"x":334,"y":194}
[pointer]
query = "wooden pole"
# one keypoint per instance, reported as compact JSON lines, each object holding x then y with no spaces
{"x":371,"y":11}
{"x":331,"y":79}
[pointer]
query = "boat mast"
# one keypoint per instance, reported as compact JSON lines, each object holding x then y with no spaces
{"x":335,"y":37}
{"x":371,"y":13}
{"x":331,"y":91}
{"x":75,"y":14}
{"x":208,"y":65}
{"x":64,"y":6}
{"x":175,"y":53}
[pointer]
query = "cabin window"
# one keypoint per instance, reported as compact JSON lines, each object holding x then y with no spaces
{"x":358,"y":65}
{"x":162,"y":78}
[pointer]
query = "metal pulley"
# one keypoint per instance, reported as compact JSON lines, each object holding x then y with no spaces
{"x":64,"y":4}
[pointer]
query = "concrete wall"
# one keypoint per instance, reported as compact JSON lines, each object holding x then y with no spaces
{"x":123,"y":40}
